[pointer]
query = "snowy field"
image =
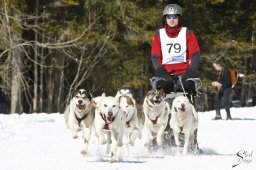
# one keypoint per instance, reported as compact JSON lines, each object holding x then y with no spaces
{"x":42,"y":142}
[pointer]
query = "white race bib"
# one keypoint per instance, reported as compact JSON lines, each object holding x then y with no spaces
{"x":173,"y":49}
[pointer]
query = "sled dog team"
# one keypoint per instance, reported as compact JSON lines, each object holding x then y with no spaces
{"x":116,"y":121}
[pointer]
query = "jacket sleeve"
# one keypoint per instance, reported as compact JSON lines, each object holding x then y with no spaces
{"x":156,"y":53}
{"x":193,"y":51}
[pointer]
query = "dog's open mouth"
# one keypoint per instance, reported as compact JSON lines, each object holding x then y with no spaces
{"x":110,"y":118}
{"x":183,"y":109}
{"x":81,"y":107}
{"x":156,"y":102}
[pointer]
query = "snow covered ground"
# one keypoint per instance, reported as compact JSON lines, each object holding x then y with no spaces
{"x":42,"y":142}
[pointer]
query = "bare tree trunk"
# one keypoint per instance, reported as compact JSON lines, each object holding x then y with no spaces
{"x":49,"y":88}
{"x":41,"y":86}
{"x":15,"y":56}
{"x":35,"y":109}
{"x":14,"y":87}
{"x":16,"y":105}
{"x":60,"y":81}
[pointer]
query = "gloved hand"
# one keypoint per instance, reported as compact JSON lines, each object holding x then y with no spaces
{"x":189,"y":85}
{"x":160,"y":84}
{"x":167,"y":86}
{"x":161,"y":72}
{"x":189,"y":74}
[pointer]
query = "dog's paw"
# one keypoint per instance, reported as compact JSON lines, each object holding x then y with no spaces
{"x":120,"y":143}
{"x":146,"y":145}
{"x":132,"y":143}
{"x":112,"y":158}
{"x":112,"y":161}
{"x":75,"y":136}
{"x":84,"y":152}
{"x":103,"y":141}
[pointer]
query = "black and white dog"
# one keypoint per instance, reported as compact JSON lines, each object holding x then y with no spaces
{"x":156,"y":111}
{"x":79,"y":115}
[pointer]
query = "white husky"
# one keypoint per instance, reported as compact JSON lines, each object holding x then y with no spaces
{"x":79,"y":115}
{"x":109,"y":123}
{"x":184,"y":119}
{"x":156,"y":112}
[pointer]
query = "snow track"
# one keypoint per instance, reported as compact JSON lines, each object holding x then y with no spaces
{"x":42,"y":142}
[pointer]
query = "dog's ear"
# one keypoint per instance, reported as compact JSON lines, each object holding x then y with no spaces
{"x":88,"y":94}
{"x":91,"y":97}
{"x":118,"y":95}
{"x":130,"y":93}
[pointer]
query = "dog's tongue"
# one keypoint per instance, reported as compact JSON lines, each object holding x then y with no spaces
{"x":110,"y":118}
{"x":157,"y":102}
{"x":182,"y":108}
{"x":81,"y":107}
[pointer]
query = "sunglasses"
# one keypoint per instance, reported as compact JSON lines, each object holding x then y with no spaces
{"x":171,"y":16}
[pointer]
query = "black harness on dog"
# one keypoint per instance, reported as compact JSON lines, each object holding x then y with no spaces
{"x":128,"y":124}
{"x":80,"y":119}
{"x":153,"y":121}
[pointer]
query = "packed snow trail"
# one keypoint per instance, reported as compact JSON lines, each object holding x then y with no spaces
{"x":42,"y":142}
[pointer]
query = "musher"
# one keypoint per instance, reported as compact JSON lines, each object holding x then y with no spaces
{"x":175,"y":54}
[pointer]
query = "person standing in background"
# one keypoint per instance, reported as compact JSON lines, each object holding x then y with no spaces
{"x":223,"y":85}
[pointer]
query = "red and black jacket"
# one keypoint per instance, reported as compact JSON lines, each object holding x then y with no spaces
{"x":193,"y":52}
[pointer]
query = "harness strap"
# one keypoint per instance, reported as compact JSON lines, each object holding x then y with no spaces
{"x":148,"y":104}
{"x":80,"y":119}
{"x":128,"y":124}
{"x":153,"y":121}
{"x":180,"y":79}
